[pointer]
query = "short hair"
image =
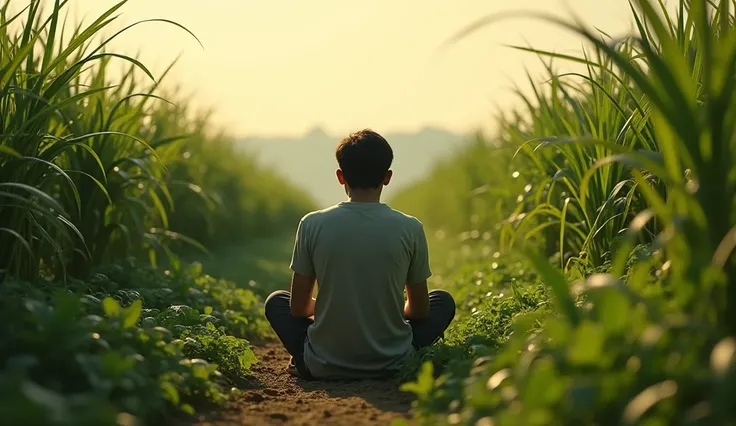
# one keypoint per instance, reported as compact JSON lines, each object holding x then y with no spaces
{"x":364,"y":158}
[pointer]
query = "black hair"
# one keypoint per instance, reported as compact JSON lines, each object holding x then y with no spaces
{"x":364,"y":158}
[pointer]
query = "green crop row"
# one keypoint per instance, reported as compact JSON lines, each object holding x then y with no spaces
{"x":626,"y":217}
{"x":102,"y":171}
{"x":93,"y":161}
{"x":129,"y":343}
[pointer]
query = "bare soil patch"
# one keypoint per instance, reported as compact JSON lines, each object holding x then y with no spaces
{"x":276,"y":398}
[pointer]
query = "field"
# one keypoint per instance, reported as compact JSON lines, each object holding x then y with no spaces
{"x":106,"y":185}
{"x":588,"y":243}
{"x":596,"y":238}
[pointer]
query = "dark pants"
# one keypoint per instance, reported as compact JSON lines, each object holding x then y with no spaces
{"x":292,"y":331}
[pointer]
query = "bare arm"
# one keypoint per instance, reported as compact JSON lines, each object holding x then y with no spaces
{"x":417,"y":294}
{"x":303,"y":279}
{"x":417,"y":301}
{"x":302,"y":303}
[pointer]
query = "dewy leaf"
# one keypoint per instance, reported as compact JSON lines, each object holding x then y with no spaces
{"x":132,"y":313}
{"x":111,"y":307}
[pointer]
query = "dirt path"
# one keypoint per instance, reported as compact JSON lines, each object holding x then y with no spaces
{"x":280,"y":399}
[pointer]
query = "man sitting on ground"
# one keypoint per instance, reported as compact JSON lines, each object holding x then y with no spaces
{"x":362,"y":254}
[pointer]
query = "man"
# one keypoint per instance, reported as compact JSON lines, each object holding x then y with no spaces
{"x":362,"y":254}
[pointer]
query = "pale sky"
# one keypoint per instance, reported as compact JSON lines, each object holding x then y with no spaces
{"x":284,"y":66}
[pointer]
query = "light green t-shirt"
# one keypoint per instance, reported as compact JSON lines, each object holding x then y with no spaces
{"x":362,"y":255}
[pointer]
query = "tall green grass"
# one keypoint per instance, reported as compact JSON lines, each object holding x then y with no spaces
{"x":638,"y":151}
{"x":588,"y":208}
{"x":656,"y":139}
{"x":91,"y":159}
{"x":103,"y":165}
{"x":76,"y":154}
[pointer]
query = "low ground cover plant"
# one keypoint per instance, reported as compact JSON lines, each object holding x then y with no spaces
{"x":131,"y":340}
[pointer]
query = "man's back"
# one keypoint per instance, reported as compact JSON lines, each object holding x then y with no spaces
{"x":362,"y":255}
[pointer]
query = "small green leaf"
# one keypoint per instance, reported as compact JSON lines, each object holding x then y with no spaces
{"x":208,"y":310}
{"x":246,"y":359}
{"x":111,"y":307}
{"x":425,"y":382}
{"x":170,"y":392}
{"x":132,"y":313}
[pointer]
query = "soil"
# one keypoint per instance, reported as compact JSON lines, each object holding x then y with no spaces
{"x":277,"y":398}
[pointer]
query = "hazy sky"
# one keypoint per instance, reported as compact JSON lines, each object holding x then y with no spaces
{"x":282,"y":67}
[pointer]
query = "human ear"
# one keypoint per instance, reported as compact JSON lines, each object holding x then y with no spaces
{"x":387,"y":178}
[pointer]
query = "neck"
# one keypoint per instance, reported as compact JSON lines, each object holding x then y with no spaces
{"x":365,"y":196}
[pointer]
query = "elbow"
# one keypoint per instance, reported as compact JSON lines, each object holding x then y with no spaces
{"x":421,"y":311}
{"x":418,"y":314}
{"x":297,"y":312}
{"x":421,"y":315}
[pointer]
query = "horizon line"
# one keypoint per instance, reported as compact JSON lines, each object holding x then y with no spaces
{"x":319,"y":130}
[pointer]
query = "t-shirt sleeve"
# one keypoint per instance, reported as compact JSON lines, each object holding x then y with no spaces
{"x":301,"y":258}
{"x":419,"y":266}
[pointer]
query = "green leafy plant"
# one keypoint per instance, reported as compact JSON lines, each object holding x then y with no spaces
{"x":640,"y":323}
{"x":101,"y":347}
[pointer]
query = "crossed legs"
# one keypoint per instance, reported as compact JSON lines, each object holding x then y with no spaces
{"x":292,"y":331}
